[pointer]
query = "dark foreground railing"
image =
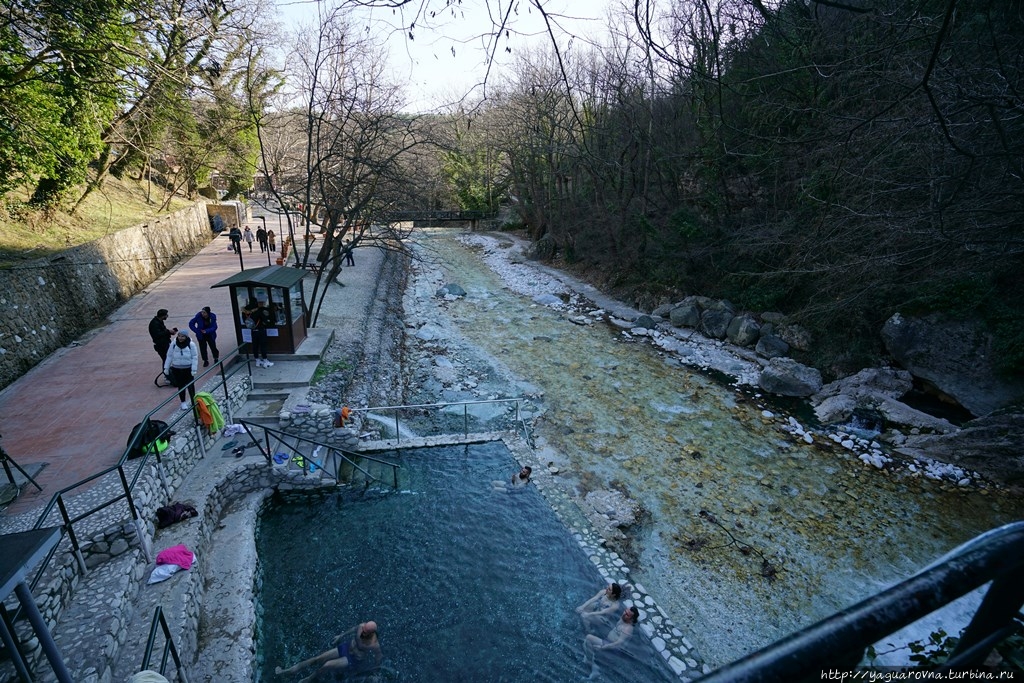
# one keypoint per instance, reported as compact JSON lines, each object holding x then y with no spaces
{"x":837,"y":644}
{"x":168,"y":650}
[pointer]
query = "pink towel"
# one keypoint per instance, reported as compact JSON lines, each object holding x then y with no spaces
{"x":176,"y":554}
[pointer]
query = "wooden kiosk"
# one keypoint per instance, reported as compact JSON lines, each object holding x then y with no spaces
{"x":281,"y":288}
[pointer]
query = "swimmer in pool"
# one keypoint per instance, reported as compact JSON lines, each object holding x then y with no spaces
{"x":518,"y":481}
{"x":615,"y":639}
{"x":603,"y":605}
{"x":358,"y":655}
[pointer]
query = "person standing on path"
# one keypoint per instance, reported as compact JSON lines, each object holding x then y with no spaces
{"x":181,"y":365}
{"x":271,"y":237}
{"x":350,"y":260}
{"x":204,"y":325}
{"x":248,"y":237}
{"x":159,"y":333}
{"x":258,"y":319}
{"x":261,"y":238}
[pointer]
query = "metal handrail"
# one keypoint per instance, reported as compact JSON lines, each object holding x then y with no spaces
{"x":58,"y":499}
{"x":278,"y":433}
{"x":169,"y":648}
{"x":839,"y":641}
{"x":518,"y":420}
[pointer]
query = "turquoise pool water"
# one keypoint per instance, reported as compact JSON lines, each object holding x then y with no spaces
{"x":465,"y":583}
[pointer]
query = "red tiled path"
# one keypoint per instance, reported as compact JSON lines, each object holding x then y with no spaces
{"x":75,"y":410}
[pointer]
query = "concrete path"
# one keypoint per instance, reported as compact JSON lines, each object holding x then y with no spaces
{"x":73,"y":413}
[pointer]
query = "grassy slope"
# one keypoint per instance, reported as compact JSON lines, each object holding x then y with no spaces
{"x":27,"y":233}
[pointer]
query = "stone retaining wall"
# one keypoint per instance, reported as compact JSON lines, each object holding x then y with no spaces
{"x":47,"y":303}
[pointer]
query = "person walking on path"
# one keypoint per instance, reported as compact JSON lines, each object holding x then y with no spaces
{"x":258,"y":319}
{"x":271,"y":237}
{"x":248,"y":237}
{"x":261,"y":238}
{"x":181,"y":365}
{"x":350,"y":260}
{"x":204,"y":325}
{"x":159,"y":333}
{"x":235,"y":235}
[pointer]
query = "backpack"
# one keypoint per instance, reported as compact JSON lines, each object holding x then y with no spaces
{"x":156,"y":437}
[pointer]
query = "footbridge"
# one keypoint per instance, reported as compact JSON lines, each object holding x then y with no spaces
{"x":437,"y":217}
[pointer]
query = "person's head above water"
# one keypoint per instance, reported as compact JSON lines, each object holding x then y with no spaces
{"x":368,"y":629}
{"x":525,"y":472}
{"x":631,"y":615}
{"x":614,"y":590}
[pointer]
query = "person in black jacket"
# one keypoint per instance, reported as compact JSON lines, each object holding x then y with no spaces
{"x":258,"y":319}
{"x":160,"y":334}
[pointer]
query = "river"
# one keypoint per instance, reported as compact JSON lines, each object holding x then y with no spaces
{"x":751,"y":533}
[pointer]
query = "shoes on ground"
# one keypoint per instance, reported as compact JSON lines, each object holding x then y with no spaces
{"x":184,"y":405}
{"x":216,"y":360}
{"x":266,"y":363}
{"x":206,"y":363}
{"x":259,"y":363}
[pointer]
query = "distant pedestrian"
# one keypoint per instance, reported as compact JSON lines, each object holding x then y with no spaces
{"x":349,"y":258}
{"x":235,"y":235}
{"x":160,"y":334}
{"x":271,"y":237}
{"x":181,"y":366}
{"x":248,"y":237}
{"x":204,"y":325}
{"x":261,"y":238}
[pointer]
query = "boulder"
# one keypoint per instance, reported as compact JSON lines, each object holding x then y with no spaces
{"x":786,"y":377}
{"x":662,"y":311}
{"x":685,"y":315}
{"x":645,"y":322}
{"x":714,"y":322}
{"x":743,"y":330}
{"x":450,"y":289}
{"x":770,"y":346}
{"x":875,"y":390}
{"x":548,"y":300}
{"x":890,"y":382}
{"x":990,"y":445}
{"x":795,"y":335}
{"x":953,"y":356}
{"x":543,"y":249}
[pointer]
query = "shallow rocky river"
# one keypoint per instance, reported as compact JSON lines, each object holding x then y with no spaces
{"x":748,"y":532}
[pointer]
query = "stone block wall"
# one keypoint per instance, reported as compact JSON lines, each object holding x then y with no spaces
{"x":47,"y":303}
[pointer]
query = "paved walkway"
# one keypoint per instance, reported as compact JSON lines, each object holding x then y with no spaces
{"x":73,"y":413}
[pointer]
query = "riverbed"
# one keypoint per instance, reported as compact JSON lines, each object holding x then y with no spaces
{"x":748,"y":531}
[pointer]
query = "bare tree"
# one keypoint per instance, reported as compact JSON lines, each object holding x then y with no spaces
{"x":339,"y":161}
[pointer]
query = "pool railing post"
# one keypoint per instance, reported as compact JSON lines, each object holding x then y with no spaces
{"x":398,"y":434}
{"x":465,"y":419}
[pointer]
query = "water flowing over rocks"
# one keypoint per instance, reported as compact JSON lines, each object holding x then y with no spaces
{"x":592,"y":449}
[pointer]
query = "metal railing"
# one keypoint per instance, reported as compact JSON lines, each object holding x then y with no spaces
{"x":337,"y":456}
{"x":169,"y":649}
{"x":519,"y":421}
{"x":839,"y":642}
{"x":127,"y":485}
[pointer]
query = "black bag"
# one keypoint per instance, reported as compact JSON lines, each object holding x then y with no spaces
{"x":175,"y":512}
{"x":155,"y":437}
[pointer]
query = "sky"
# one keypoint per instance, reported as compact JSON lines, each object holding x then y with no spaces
{"x":447,"y":53}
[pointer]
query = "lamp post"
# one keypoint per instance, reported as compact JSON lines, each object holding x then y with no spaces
{"x":264,"y":244}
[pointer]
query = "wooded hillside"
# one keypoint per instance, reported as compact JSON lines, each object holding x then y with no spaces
{"x":836,"y":161}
